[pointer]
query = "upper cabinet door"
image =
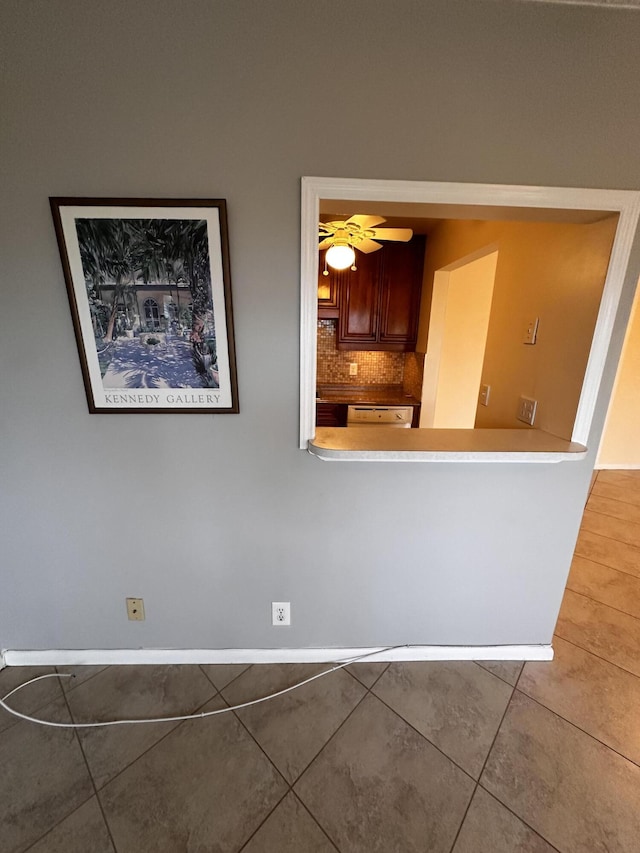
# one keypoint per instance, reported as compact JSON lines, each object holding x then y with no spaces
{"x":359,"y":303}
{"x":380,"y":301}
{"x":400,"y":291}
{"x":328,"y":304}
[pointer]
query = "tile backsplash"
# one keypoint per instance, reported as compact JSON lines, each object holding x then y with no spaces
{"x":413,"y":373}
{"x":374,"y":368}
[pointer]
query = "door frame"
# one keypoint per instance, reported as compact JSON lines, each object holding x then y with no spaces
{"x":626,"y":203}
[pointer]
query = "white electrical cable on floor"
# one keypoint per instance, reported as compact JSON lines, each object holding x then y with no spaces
{"x":182,"y":717}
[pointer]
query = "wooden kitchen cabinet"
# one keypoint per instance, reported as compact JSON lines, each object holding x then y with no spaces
{"x":400,"y":292}
{"x":379,"y":303}
{"x":331,"y":414}
{"x":328,"y":294}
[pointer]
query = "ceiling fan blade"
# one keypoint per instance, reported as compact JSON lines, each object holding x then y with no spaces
{"x":365,"y":221}
{"x":367,"y":246}
{"x":326,"y":243}
{"x":402,"y":234}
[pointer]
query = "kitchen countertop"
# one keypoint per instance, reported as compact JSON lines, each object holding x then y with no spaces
{"x":386,"y":444}
{"x":374,"y":395}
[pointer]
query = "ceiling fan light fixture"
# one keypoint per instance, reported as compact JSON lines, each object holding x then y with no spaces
{"x":340,"y":255}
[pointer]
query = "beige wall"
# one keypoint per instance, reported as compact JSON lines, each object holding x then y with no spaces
{"x":458,"y":328}
{"x":547,"y":270}
{"x":620,"y":447}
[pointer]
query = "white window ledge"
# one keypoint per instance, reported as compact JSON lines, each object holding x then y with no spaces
{"x":388,"y":444}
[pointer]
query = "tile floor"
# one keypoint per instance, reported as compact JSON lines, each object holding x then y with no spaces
{"x":438,"y":757}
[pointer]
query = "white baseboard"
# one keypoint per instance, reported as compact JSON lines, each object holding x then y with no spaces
{"x":615,"y":467}
{"x":111,"y":657}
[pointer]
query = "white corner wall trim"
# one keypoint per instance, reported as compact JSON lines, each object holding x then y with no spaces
{"x":113,"y":657}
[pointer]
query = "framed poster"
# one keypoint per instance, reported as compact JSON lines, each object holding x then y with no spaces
{"x":150,"y":294}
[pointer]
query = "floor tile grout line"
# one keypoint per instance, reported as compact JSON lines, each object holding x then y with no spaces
{"x":576,"y":553}
{"x":93,"y":782}
{"x":417,"y":731}
{"x":515,"y":814}
{"x":603,"y":603}
{"x":331,"y":737}
{"x":595,"y":494}
{"x":595,"y":655}
{"x":579,"y":728}
{"x":584,"y":529}
{"x":155,"y":743}
{"x":15,"y":720}
{"x":369,"y":687}
{"x":624,"y":521}
{"x":60,"y":698}
{"x":367,"y":692}
{"x":289,"y":785}
{"x":504,"y":680}
{"x":210,"y":680}
{"x":85,"y":680}
{"x":290,"y":788}
{"x":617,"y":500}
{"x":57,"y":824}
{"x":260,"y":747}
{"x":484,"y":764}
{"x":333,"y":843}
{"x":620,"y":501}
{"x":599,"y":601}
{"x":306,"y":767}
{"x":265,"y":819}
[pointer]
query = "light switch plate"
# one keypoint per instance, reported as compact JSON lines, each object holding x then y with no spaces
{"x":485,"y":391}
{"x":531,"y":331}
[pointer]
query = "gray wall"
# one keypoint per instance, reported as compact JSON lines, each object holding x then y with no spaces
{"x":210,"y":518}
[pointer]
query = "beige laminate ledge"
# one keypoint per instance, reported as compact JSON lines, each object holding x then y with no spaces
{"x":387,"y":444}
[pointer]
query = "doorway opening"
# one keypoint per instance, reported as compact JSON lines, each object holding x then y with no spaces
{"x":458,"y":327}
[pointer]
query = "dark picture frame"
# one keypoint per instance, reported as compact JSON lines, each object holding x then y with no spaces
{"x":149,"y":288}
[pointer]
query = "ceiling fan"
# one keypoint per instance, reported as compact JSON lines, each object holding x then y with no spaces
{"x":359,"y":232}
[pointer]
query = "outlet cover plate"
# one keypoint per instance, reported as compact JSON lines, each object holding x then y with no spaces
{"x":280,"y":613}
{"x":527,"y":410}
{"x":135,"y":609}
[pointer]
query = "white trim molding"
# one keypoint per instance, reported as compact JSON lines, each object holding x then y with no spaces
{"x":626,"y":203}
{"x":113,"y":657}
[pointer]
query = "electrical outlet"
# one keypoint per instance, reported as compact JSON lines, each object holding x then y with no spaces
{"x":135,"y":609}
{"x":527,"y":410}
{"x":485,"y":391}
{"x":281,"y":613}
{"x":353,"y":368}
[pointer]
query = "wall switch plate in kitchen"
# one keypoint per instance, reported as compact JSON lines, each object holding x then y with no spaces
{"x":353,"y":368}
{"x":527,"y":410}
{"x":135,"y":609}
{"x":281,"y":613}
{"x":531,"y":331}
{"x":485,"y":391}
